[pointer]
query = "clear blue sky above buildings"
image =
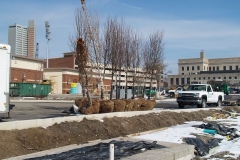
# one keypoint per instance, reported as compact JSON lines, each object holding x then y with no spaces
{"x":189,"y":25}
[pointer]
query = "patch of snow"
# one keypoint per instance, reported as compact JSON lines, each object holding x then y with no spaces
{"x":177,"y":133}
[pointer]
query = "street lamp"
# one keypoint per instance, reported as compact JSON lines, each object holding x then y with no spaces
{"x":47,"y":26}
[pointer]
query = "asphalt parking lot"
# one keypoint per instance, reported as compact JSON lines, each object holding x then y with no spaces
{"x":52,"y":106}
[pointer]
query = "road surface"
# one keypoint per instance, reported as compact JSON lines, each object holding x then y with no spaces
{"x":25,"y":110}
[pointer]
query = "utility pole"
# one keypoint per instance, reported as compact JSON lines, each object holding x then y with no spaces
{"x":47,"y":26}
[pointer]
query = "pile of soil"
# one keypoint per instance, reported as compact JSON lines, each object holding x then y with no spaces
{"x":21,"y":142}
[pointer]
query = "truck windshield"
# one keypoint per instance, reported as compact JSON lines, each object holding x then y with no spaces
{"x":196,"y":88}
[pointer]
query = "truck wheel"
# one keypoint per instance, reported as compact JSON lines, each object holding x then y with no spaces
{"x":219,"y":103}
{"x":203,"y":104}
{"x":171,"y":95}
{"x":180,"y":105}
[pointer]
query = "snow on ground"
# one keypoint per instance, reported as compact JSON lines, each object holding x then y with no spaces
{"x":176,"y":134}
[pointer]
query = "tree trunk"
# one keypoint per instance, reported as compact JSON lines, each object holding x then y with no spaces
{"x":149,"y":96}
{"x":126,"y":85}
{"x":88,"y":94}
{"x":111,"y":91}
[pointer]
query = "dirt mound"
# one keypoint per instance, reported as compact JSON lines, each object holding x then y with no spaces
{"x":20,"y":142}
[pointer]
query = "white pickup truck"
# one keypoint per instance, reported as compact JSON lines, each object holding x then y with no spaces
{"x":172,"y":93}
{"x":200,"y":95}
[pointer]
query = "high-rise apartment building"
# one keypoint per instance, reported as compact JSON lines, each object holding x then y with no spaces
{"x":22,"y":39}
{"x":31,"y":38}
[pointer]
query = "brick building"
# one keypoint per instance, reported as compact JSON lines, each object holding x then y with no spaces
{"x":62,"y":72}
{"x":25,"y":69}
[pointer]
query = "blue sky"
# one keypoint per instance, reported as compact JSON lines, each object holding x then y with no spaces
{"x":189,"y":25}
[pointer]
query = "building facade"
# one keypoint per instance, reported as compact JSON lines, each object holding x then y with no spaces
{"x":63,"y":71}
{"x":25,"y":69}
{"x":67,"y":64}
{"x":202,"y":70}
{"x":22,"y":39}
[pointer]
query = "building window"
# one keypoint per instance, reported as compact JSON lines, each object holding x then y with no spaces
{"x":208,"y":77}
{"x":182,"y":68}
{"x":224,"y":77}
{"x":230,"y":77}
{"x":210,"y":68}
{"x":198,"y":67}
{"x":182,"y":73}
{"x":235,"y":77}
{"x":177,"y":81}
{"x":217,"y":68}
{"x":188,"y":80}
{"x":230,"y":68}
{"x":182,"y":81}
{"x":171,"y":81}
{"x":213,"y":68}
{"x":199,"y":78}
{"x":194,"y":78}
{"x":193,"y":68}
{"x":213,"y":77}
{"x":204,"y":78}
{"x":236,"y":67}
{"x":219,"y":77}
{"x":224,"y":68}
{"x":187,"y":68}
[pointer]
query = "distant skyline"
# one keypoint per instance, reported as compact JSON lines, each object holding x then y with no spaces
{"x":189,"y":26}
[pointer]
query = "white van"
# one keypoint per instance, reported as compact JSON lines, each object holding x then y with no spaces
{"x":5,"y":65}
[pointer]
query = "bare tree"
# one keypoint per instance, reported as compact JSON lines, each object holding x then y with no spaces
{"x":153,"y":56}
{"x":114,"y":48}
{"x":135,"y":59}
{"x":82,"y":42}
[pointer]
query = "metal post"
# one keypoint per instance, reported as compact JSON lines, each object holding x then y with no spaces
{"x":47,"y":55}
{"x":111,"y":152}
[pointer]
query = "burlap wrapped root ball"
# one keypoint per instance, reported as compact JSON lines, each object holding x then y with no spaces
{"x":136,"y":105}
{"x":147,"y":105}
{"x":129,"y":104}
{"x":92,"y":109}
{"x":119,"y":105}
{"x":152,"y":104}
{"x":81,"y":103}
{"x":106,"y":106}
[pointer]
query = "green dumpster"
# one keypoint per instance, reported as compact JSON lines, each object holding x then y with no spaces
{"x":29,"y":89}
{"x":14,"y":89}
